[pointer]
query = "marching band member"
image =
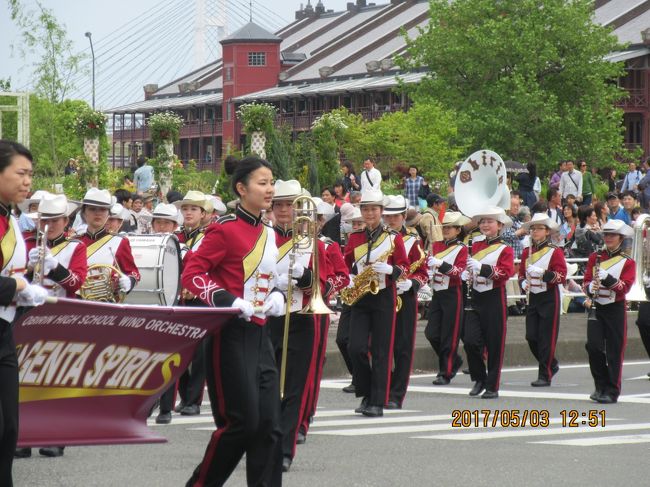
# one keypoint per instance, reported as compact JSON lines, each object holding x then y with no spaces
{"x":447,"y":263}
{"x":608,"y":277}
{"x":302,"y":346}
{"x":541,"y":273}
{"x":164,"y":220}
{"x":193,"y":208}
{"x":15,"y":180}
{"x":343,"y":330}
{"x":407,"y":289}
{"x":236,"y":268}
{"x":380,"y":253}
{"x":488,"y":269}
{"x":116,"y":217}
{"x":101,"y":246}
{"x":26,"y":224}
{"x":64,"y":266}
{"x":337,"y":280}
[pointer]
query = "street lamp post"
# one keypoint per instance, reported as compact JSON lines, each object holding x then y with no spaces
{"x":92,"y":52}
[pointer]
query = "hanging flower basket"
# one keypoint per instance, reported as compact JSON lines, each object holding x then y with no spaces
{"x":90,"y":124}
{"x":164,"y":126}
{"x":257,"y":117}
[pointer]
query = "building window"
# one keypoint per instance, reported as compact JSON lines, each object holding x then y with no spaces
{"x":257,"y":59}
{"x":228,"y":74}
{"x":228,"y":111}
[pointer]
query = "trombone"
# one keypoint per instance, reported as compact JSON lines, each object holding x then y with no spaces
{"x":304,"y":239}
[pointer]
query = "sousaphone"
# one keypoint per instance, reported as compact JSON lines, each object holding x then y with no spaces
{"x":481,"y":182}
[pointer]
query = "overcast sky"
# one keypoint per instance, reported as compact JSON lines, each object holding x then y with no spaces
{"x":120,"y":70}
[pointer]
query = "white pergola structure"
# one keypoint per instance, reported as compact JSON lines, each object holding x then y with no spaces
{"x":21,"y":107}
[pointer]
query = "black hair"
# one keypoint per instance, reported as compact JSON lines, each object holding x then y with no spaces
{"x":173,"y":195}
{"x":599,"y":207}
{"x":539,"y":207}
{"x":574,"y":212}
{"x":327,"y":188}
{"x":9,"y":149}
{"x":629,"y":193}
{"x":532,"y":170}
{"x":551,"y":193}
{"x":414,"y":167}
{"x":348,"y":166}
{"x":583,"y":213}
{"x":122,"y":195}
{"x":514,"y":193}
{"x":244,"y":168}
{"x":138,"y":197}
{"x":229,"y":164}
{"x":141,"y":161}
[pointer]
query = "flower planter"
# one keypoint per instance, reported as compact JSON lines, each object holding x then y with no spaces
{"x":165,"y":176}
{"x":91,"y":151}
{"x":258,"y":143}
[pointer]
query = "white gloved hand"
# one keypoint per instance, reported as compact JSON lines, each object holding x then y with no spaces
{"x":274,"y":304}
{"x":298,"y":270}
{"x":49,"y":263}
{"x":32,"y":295}
{"x":535,"y":271}
{"x":403,"y":286}
{"x":430,"y":273}
{"x":125,"y":284}
{"x":524,"y":285}
{"x":382,"y":268}
{"x":434,"y":262}
{"x":282,"y":282}
{"x":246,"y":308}
{"x":592,"y":287}
{"x":474,"y":265}
{"x":602,"y":274}
{"x":33,"y":256}
{"x":464,"y":276}
{"x":646,"y":281}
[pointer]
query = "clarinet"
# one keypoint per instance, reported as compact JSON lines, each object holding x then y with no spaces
{"x":592,"y":309}
{"x":470,"y":280}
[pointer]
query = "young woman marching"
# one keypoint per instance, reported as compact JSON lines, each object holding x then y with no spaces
{"x":15,"y":181}
{"x":378,"y":255}
{"x":407,"y":291}
{"x":447,"y":263}
{"x":541,"y":273}
{"x":608,"y":277}
{"x":488,"y":270}
{"x":302,"y":345}
{"x":235,"y":267}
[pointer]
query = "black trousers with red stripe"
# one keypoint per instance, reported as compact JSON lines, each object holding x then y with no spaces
{"x":243,"y":388}
{"x":343,"y":335}
{"x":301,"y":358}
{"x":372,"y":325}
{"x":606,"y":339}
{"x":314,"y":380}
{"x":444,"y":328}
{"x":542,"y":327}
{"x":8,"y":402}
{"x":403,"y":344}
{"x":191,"y":382}
{"x":485,"y":327}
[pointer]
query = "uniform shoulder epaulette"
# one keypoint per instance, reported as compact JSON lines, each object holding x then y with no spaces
{"x":326,"y":240}
{"x":391,"y":232}
{"x":627,"y":256}
{"x":226,"y":218}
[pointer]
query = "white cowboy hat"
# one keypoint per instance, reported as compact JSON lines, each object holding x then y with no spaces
{"x":355,"y":216}
{"x":346,"y":210}
{"x":325,"y":209}
{"x":571,"y":269}
{"x":36,"y":197}
{"x":287,"y":190}
{"x":54,"y":206}
{"x":232,"y":204}
{"x":98,"y":197}
{"x":118,"y":212}
{"x":395,"y":204}
{"x":165,"y":211}
{"x":372,"y":197}
{"x":455,"y":219}
{"x":194,"y":198}
{"x":496,"y":212}
{"x":215,"y":204}
{"x":619,"y":227}
{"x":541,"y":219}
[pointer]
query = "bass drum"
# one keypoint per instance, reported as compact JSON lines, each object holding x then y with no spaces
{"x":158,"y":258}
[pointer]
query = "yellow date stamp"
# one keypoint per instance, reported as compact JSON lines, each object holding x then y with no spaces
{"x":522,"y":418}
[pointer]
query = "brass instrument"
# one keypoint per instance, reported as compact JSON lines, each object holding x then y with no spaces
{"x":366,"y":281}
{"x":641,"y":257}
{"x":412,"y":268}
{"x":101,"y":284}
{"x":304,"y":237}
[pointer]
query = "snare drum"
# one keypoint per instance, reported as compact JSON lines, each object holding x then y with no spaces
{"x":158,"y":258}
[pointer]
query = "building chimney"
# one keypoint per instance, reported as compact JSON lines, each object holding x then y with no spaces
{"x":149,"y":90}
{"x":645,"y":36}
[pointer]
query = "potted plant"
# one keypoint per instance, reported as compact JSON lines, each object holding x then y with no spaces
{"x":257,"y":121}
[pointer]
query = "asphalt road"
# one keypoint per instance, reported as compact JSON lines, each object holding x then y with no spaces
{"x":417,"y":446}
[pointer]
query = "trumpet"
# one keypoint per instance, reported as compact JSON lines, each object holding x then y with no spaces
{"x":304,"y":239}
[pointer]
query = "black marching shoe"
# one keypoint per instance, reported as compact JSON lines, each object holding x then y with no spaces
{"x":458,"y":363}
{"x":393,"y":405}
{"x":466,"y":371}
{"x":555,"y":369}
{"x":441,"y":380}
{"x":51,"y":451}
{"x":23,"y":453}
{"x":350,"y":389}
{"x":286,"y":464}
{"x":477,"y":389}
{"x":595,"y":395}
{"x":164,"y":418}
{"x":541,"y":383}
{"x":301,"y":439}
{"x":606,"y":399}
{"x":373,"y":411}
{"x":180,"y":407}
{"x":490,"y":394}
{"x":362,"y":407}
{"x":191,"y":410}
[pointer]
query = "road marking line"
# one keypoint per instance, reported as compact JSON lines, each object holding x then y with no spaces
{"x":600,"y":441}
{"x":359,"y":421}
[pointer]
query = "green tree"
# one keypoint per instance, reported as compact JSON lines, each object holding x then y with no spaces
{"x":527,"y":78}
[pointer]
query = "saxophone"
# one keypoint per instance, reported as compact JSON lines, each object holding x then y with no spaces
{"x":412,"y":268}
{"x":367,"y":281}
